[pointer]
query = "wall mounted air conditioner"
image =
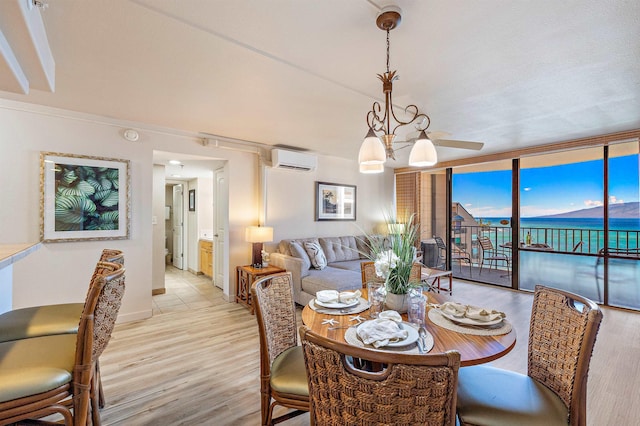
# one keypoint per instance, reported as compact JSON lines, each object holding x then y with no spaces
{"x":292,"y":160}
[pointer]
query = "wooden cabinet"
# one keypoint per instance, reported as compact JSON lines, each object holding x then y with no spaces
{"x":206,"y":258}
{"x":246,"y":275}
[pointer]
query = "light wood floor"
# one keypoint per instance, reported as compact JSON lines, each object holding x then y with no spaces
{"x":196,"y":361}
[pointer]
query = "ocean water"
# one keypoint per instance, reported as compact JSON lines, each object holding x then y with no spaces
{"x":564,"y":233}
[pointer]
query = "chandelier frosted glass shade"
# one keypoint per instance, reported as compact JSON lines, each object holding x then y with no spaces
{"x":372,"y":150}
{"x":423,"y":153}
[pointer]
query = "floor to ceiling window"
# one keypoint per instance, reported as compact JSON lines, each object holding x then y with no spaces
{"x":562,"y":221}
{"x":481,"y":222}
{"x":568,"y":219}
{"x":622,"y":261}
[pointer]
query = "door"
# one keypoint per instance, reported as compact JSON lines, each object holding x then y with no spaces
{"x":178,"y":225}
{"x":220,"y":222}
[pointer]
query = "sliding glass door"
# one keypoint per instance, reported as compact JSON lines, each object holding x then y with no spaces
{"x":562,"y":221}
{"x":620,"y":268}
{"x":481,"y":222}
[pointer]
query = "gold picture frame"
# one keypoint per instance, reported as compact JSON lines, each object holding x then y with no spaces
{"x":84,"y":198}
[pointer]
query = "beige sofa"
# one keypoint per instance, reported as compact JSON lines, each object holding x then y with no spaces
{"x":343,"y":255}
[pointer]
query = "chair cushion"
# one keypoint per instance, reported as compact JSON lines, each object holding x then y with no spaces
{"x":40,"y":321}
{"x":491,"y":396}
{"x":21,"y":382}
{"x":47,"y":351}
{"x":288,"y":373}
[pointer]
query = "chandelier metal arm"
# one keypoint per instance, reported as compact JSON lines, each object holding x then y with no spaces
{"x":379,"y":117}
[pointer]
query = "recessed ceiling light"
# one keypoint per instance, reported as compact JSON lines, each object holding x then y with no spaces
{"x":174,"y":162}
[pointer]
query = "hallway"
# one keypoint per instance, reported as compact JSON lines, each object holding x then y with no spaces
{"x":185,"y":291}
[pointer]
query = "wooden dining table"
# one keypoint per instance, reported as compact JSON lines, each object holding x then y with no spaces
{"x":474,"y":349}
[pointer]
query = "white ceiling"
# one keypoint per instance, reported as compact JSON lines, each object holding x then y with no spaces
{"x":302,"y":73}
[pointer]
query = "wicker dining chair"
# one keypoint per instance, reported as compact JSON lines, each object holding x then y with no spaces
{"x":368,"y":272}
{"x":283,"y":379}
{"x":50,"y":374}
{"x":48,"y":320}
{"x":554,"y":392}
{"x":410,"y":389}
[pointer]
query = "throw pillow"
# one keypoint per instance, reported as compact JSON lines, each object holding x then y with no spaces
{"x":298,"y":251}
{"x":316,"y":255}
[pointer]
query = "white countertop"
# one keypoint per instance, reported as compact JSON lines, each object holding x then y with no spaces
{"x":10,"y":253}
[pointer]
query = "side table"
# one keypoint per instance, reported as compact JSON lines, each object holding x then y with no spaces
{"x":245,"y":277}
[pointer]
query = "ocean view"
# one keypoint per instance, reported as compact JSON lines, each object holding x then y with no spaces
{"x":565,"y":233}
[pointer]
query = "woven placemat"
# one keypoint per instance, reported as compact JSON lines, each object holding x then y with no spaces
{"x":492,"y":330}
{"x":351,"y":337}
{"x":363,"y":305}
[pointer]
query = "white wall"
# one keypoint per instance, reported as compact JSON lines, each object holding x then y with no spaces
{"x":158,"y":236}
{"x":60,"y":272}
{"x":291,"y":200}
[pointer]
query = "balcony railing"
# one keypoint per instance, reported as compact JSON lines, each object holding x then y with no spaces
{"x":561,"y":240}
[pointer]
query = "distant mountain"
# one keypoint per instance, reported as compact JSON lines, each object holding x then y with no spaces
{"x":617,"y":211}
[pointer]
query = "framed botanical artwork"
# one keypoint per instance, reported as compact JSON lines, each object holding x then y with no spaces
{"x":192,"y":200}
{"x":335,"y":201}
{"x":83,"y":198}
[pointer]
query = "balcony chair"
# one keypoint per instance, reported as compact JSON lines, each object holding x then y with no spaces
{"x":410,"y":389}
{"x":457,"y":255}
{"x":48,"y":320}
{"x":492,"y":255}
{"x":50,"y":374}
{"x":554,"y":391}
{"x":282,"y":374}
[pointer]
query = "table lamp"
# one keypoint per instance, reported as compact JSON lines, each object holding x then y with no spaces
{"x":258,"y":235}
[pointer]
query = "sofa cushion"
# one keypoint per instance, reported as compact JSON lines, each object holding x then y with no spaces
{"x":331,"y":279}
{"x":298,"y":251}
{"x":349,"y":265}
{"x":284,"y":246}
{"x":316,"y":255}
{"x":337,"y":249}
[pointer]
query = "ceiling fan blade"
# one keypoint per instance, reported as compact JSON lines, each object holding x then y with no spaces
{"x":448,"y":143}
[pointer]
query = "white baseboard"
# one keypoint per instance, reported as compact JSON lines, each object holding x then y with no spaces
{"x":134,"y":316}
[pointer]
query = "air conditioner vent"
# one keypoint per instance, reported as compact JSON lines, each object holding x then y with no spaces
{"x":292,"y":160}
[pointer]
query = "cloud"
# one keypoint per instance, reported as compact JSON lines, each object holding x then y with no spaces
{"x":614,"y":200}
{"x":527,"y":189}
{"x":468,"y":205}
{"x":593,"y":203}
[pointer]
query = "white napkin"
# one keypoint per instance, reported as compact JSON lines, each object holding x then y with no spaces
{"x":333,"y":296}
{"x":390,"y":315}
{"x":380,"y":332}
{"x":459,"y":310}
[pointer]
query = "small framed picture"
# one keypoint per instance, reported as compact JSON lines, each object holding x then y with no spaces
{"x":83,"y":198}
{"x":335,"y":201}
{"x":192,"y":200}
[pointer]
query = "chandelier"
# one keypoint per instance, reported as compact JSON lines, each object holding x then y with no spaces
{"x":383,"y":122}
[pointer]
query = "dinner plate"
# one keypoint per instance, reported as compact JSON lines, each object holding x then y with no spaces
{"x":337,"y":305}
{"x":470,"y":321}
{"x":412,"y":336}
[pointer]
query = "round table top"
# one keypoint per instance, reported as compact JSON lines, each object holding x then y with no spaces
{"x":473,"y":349}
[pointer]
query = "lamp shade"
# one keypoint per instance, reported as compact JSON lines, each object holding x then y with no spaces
{"x":258,"y":234}
{"x":371,"y":168}
{"x":372,"y":150}
{"x":423,"y":152}
{"x":395,"y":228}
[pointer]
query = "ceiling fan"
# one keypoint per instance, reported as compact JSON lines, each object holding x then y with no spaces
{"x":442,"y":139}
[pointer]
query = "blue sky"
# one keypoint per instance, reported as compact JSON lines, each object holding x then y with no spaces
{"x":548,"y":190}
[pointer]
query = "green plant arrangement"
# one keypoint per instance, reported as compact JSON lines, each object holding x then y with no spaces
{"x":395,"y":254}
{"x":86,"y":198}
